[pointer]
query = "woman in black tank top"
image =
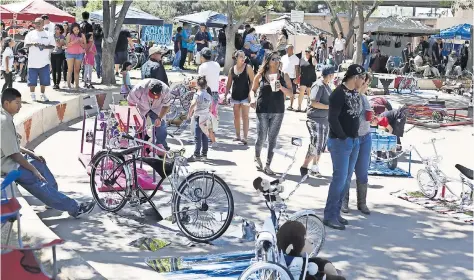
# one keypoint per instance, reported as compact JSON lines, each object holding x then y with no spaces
{"x":239,"y":78}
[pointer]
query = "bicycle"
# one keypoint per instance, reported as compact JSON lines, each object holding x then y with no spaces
{"x":437,"y":179}
{"x":183,"y":92}
{"x":202,"y":204}
{"x":267,"y":257}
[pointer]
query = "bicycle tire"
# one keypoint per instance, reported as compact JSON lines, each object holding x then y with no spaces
{"x":317,"y":232}
{"x":392,"y":164}
{"x":172,"y":112}
{"x":133,"y":58}
{"x":95,"y":194}
{"x":423,"y":190}
{"x":181,"y":220}
{"x":283,"y":272}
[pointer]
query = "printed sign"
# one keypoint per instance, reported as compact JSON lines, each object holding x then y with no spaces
{"x":160,"y":35}
{"x":297,"y":16}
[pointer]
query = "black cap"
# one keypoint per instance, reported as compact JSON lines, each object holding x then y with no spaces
{"x":353,"y":70}
{"x":44,"y":17}
{"x":156,"y":88}
{"x":207,"y":53}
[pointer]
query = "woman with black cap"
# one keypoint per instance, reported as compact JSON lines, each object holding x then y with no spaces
{"x":343,"y":142}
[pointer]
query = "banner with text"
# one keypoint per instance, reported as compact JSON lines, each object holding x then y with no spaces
{"x":160,"y":35}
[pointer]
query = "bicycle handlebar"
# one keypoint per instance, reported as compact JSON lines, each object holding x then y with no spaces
{"x":284,"y":154}
{"x":432,"y":140}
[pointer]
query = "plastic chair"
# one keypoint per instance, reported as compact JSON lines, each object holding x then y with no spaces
{"x":20,"y":262}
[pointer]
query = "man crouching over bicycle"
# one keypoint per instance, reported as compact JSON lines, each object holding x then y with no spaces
{"x":152,"y":98}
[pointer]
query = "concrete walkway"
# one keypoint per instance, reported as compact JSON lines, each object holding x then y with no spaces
{"x":400,"y":240}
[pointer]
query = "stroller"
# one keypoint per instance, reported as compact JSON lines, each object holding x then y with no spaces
{"x":21,"y":57}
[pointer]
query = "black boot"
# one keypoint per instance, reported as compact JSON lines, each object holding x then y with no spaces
{"x":361,"y":198}
{"x":345,"y":202}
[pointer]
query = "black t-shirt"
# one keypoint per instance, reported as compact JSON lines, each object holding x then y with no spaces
{"x":4,"y":34}
{"x":178,"y":42}
{"x":86,"y":27}
{"x":344,"y":111}
{"x":269,"y":101}
{"x":201,"y":36}
{"x":397,"y":119}
{"x":122,"y":42}
{"x":222,"y":38}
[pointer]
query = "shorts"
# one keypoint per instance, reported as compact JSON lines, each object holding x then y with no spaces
{"x":243,"y":102}
{"x":120,"y":57}
{"x":319,"y":133}
{"x":42,"y":73}
{"x":78,"y":56}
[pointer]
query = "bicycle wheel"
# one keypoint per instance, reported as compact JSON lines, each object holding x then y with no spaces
{"x":393,"y":162}
{"x":315,"y":230}
{"x":426,"y":183}
{"x":172,"y":113}
{"x":266,"y":270}
{"x":108,"y":182}
{"x":210,"y":209}
{"x":133,"y":58}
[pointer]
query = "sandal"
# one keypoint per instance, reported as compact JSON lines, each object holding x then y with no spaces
{"x":244,"y":141}
{"x":259,"y":164}
{"x":236,"y":139}
{"x":289,"y":108}
{"x":298,"y":110}
{"x":268,"y":171}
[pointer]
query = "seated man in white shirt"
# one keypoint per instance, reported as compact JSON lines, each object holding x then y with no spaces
{"x":426,"y":69}
{"x":451,"y":68}
{"x":290,"y":64}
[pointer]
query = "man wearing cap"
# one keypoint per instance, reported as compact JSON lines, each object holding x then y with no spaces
{"x":290,"y":64}
{"x":211,"y":70}
{"x":154,"y":68}
{"x":343,"y":142}
{"x":152,"y":98}
{"x":202,"y":38}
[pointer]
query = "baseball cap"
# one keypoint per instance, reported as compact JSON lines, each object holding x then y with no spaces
{"x":44,"y":17}
{"x":328,"y":70}
{"x":308,"y":49}
{"x":353,"y":70}
{"x":206,"y":52}
{"x":154,"y":50}
{"x":155,"y":90}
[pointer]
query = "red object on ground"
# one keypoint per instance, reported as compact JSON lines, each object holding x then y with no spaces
{"x":32,"y":9}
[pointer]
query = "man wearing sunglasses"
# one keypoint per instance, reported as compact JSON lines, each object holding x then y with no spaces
{"x":152,"y":98}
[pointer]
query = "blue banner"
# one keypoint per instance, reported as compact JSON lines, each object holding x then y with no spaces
{"x":160,"y":35}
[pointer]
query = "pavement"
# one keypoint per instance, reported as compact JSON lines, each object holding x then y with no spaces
{"x":399,"y":240}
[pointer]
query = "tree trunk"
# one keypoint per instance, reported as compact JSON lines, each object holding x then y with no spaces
{"x":471,"y":50}
{"x":108,"y":64}
{"x":230,"y":48}
{"x":360,"y":34}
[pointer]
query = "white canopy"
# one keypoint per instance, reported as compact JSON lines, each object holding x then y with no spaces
{"x":293,"y":28}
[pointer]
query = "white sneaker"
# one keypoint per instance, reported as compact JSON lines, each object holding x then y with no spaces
{"x":44,"y":98}
{"x":33,"y":97}
{"x":315,"y":170}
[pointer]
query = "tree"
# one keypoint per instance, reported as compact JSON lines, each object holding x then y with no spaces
{"x":361,"y":8}
{"x":112,"y":27}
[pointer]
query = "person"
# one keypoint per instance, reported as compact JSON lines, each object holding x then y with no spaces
{"x":239,"y":79}
{"x":184,"y":43}
{"x":436,"y":49}
{"x":464,"y":55}
{"x":380,"y":105}
{"x":4,"y":32}
{"x":126,"y":84}
{"x":76,"y":43}
{"x":322,"y":53}
{"x":394,"y":121}
{"x":65,"y":70}
{"x":246,"y":31}
{"x":252,"y":39}
{"x":89,"y":61}
{"x":221,"y":37}
{"x":57,"y":55}
{"x":339,"y":49}
{"x":251,"y":56}
{"x":48,"y":25}
{"x":200,"y":111}
{"x":426,"y":69}
{"x":406,"y":53}
{"x":343,"y":142}
{"x":152,"y":98}
{"x":39,"y":44}
{"x":266,"y":45}
{"x":191,"y":47}
{"x":22,"y":60}
{"x":98,"y":37}
{"x":35,"y":176}
{"x":121,"y":50}
{"x":451,"y":66}
{"x":7,"y":62}
{"x":86,"y":26}
{"x":153,"y":67}
{"x":317,"y":123}
{"x":365,"y":52}
{"x":177,"y":48}
{"x":365,"y":148}
{"x":202,"y":39}
{"x":290,"y":64}
{"x":282,"y":42}
{"x":211,"y":70}
{"x":273,"y":86}
{"x":308,"y":75}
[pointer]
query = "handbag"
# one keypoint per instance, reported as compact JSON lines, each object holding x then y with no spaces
{"x":388,"y":41}
{"x":398,"y":42}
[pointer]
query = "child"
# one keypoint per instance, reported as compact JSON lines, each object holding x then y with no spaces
{"x":191,"y":48}
{"x":89,"y":60}
{"x":200,"y":111}
{"x":22,"y":62}
{"x":126,"y":84}
{"x":7,"y":62}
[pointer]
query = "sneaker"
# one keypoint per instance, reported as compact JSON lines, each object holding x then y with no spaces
{"x":268,"y":171}
{"x":44,"y":98}
{"x":204,"y":157}
{"x":85,"y":208}
{"x":303,"y":171}
{"x":194,"y":158}
{"x":91,"y":86}
{"x":116,"y":73}
{"x":33,"y":97}
{"x":56,"y":87}
{"x":315,"y":171}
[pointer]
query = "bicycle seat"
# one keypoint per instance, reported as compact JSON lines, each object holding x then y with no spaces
{"x":157,"y":165}
{"x":124,"y":152}
{"x":465,"y":171}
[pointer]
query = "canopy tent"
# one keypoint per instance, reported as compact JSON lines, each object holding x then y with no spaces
{"x":5,"y":13}
{"x":461,"y":31}
{"x":30,"y":10}
{"x":293,"y":28}
{"x":209,"y":18}
{"x":133,"y":16}
{"x":399,"y":25}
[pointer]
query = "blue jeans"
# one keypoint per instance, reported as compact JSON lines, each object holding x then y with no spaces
{"x":98,"y":64}
{"x":363,"y":160}
{"x":46,"y":192}
{"x":177,"y":59}
{"x":366,"y":61}
{"x":160,"y":132}
{"x":200,"y":140}
{"x":344,"y":156}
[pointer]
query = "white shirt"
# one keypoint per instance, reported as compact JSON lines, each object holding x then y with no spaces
{"x":7,"y":53}
{"x":418,"y":60}
{"x":339,"y":44}
{"x":288,"y":65}
{"x":50,"y":28}
{"x":211,"y":70}
{"x":38,"y":58}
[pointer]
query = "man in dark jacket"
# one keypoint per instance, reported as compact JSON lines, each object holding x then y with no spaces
{"x":465,"y":55}
{"x":153,"y":68}
{"x":406,"y":53}
{"x":436,"y":51}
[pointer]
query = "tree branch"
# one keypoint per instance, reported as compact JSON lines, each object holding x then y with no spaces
{"x":252,"y":5}
{"x":372,"y":10}
{"x":121,"y":17}
{"x":334,"y":19}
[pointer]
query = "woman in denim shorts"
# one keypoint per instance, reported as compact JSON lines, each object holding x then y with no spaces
{"x":240,"y":78}
{"x":75,"y":43}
